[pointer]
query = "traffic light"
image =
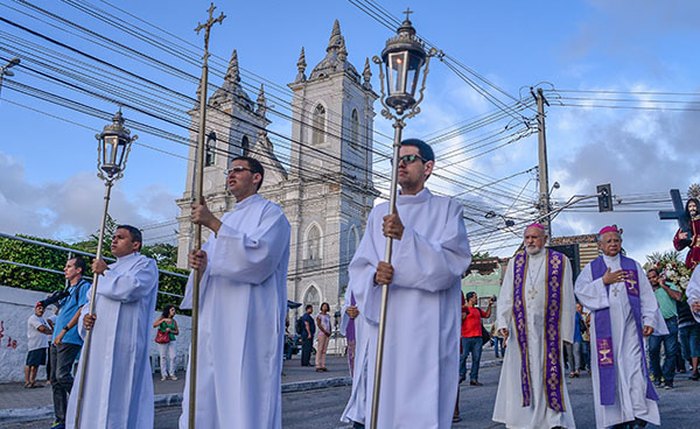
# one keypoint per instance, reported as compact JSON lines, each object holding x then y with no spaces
{"x":605,"y":201}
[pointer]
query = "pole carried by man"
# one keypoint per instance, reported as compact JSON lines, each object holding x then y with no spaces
{"x":535,"y":316}
{"x":623,"y":312}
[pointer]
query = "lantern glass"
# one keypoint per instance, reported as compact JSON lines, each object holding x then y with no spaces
{"x":415,"y":63}
{"x":396,"y":73}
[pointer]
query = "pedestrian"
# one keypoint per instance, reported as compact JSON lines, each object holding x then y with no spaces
{"x":430,"y":254}
{"x":307,"y":335}
{"x":472,"y":342}
{"x":624,"y":311}
{"x":689,"y":338}
{"x":323,"y":322}
{"x":535,"y":317}
{"x":348,"y":327}
{"x":584,"y":326}
{"x":242,"y":306}
{"x":692,"y":332}
{"x":118,"y":389}
{"x":497,"y":342}
{"x":166,"y":334}
{"x":573,"y":349}
{"x":38,"y":332}
{"x":67,"y":342}
{"x":667,"y":295}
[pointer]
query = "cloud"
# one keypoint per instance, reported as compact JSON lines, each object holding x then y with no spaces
{"x":71,"y":210}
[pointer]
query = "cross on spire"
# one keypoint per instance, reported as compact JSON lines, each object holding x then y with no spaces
{"x":408,"y":12}
{"x":208,"y":25}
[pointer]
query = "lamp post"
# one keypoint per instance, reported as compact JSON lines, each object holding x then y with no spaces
{"x":403,"y":58}
{"x":112,"y":152}
{"x":5,"y":70}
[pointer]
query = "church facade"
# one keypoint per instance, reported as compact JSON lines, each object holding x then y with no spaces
{"x":325,"y":189}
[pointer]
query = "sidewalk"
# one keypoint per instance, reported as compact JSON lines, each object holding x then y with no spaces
{"x":19,"y":404}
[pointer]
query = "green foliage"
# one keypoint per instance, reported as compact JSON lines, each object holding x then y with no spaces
{"x":90,"y":245}
{"x":165,"y":254}
{"x":171,"y":285}
{"x":36,"y":255}
{"x":480,"y":255}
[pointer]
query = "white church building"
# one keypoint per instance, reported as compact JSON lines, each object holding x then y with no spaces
{"x":327,"y":190}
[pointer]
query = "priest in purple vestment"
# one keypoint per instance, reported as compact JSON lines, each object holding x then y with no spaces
{"x":624,"y":310}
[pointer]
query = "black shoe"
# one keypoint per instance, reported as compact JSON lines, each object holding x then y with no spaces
{"x":668,"y":386}
{"x":475,"y":383}
{"x":456,"y":419}
{"x":695,"y":376}
{"x":462,"y":378}
{"x":639,"y":423}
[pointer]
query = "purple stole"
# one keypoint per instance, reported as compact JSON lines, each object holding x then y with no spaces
{"x":603,"y":331}
{"x":350,"y":329}
{"x":552,"y":339}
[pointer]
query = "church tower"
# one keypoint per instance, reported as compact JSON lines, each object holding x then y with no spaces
{"x":234,"y":124}
{"x":330,"y":191}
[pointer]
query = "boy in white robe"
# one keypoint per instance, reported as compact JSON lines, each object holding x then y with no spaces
{"x":421,"y":349}
{"x":118,"y":389}
{"x":242,"y":308}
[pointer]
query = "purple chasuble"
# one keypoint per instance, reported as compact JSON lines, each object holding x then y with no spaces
{"x":603,"y":331}
{"x":552,"y":338}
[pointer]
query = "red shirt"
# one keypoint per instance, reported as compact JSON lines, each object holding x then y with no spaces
{"x":471,"y":326}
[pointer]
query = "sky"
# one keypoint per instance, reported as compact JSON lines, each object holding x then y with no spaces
{"x":593,"y":53}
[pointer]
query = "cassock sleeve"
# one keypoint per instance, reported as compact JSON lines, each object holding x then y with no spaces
{"x":250,"y":257}
{"x":131,"y":285}
{"x":591,"y":293}
{"x":568,"y":301}
{"x":693,"y":291}
{"x":504,"y":313}
{"x":433,"y":265}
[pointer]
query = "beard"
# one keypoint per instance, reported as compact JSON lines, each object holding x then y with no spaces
{"x":533,"y":250}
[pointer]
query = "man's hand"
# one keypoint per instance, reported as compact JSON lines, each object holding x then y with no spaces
{"x":683,"y":235}
{"x":352,"y":311}
{"x":384,"y":274}
{"x":611,"y":277}
{"x":99,"y":266}
{"x":59,"y":338}
{"x":504,"y":333}
{"x":198,"y":260}
{"x":392,"y":226}
{"x":89,"y":321}
{"x":202,"y":216}
{"x":647,"y":330}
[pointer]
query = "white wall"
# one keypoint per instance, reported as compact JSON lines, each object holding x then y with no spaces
{"x":16,"y":305}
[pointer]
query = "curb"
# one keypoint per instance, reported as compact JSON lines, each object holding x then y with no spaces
{"x":17,"y":415}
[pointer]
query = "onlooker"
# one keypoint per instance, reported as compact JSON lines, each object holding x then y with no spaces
{"x":51,"y":320}
{"x":584,"y":325}
{"x":667,"y":295}
{"x":689,"y":336}
{"x":348,"y":327}
{"x":38,"y":331}
{"x":471,"y":337}
{"x":573,"y":350}
{"x":66,"y":341}
{"x":323,"y":321}
{"x":497,"y":341}
{"x":307,"y":335}
{"x":165,"y":337}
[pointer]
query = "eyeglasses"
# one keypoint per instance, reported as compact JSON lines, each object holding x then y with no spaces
{"x":237,"y":169}
{"x":410,"y":159}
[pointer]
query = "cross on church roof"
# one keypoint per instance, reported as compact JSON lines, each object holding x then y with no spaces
{"x":408,"y":11}
{"x":209,"y":24}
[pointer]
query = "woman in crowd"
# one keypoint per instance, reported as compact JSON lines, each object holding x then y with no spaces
{"x":165,"y":337}
{"x":323,"y":321}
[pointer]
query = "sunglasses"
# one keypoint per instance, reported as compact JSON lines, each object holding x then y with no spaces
{"x":410,"y":159}
{"x":237,"y":169}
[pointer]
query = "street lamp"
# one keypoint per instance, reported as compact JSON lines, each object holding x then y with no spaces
{"x":5,"y":70}
{"x":403,"y":58}
{"x":112,"y":152}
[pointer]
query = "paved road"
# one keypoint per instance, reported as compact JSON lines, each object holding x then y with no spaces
{"x":322,"y":408}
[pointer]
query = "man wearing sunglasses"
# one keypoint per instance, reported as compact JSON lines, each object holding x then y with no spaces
{"x":430,"y":253}
{"x":243,"y":303}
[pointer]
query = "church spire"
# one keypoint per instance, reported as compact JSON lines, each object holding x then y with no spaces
{"x":336,"y":40}
{"x":262,"y":102}
{"x":233,"y":74}
{"x":367,"y":75}
{"x":301,"y":67}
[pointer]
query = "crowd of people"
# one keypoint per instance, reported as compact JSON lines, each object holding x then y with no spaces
{"x":601,"y":323}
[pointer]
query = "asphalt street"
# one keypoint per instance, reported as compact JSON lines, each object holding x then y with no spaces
{"x":322,"y":408}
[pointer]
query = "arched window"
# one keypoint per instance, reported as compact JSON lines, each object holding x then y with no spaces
{"x":313,"y":243}
{"x":312,"y":297}
{"x":354,"y":128}
{"x":245,"y":146}
{"x":319,"y":124}
{"x":209,"y":157}
{"x":352,"y":242}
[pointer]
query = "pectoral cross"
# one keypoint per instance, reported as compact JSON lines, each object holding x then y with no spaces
{"x":615,"y":291}
{"x":532,"y":292}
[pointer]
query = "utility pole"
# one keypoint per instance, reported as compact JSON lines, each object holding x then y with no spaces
{"x":543,"y":168}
